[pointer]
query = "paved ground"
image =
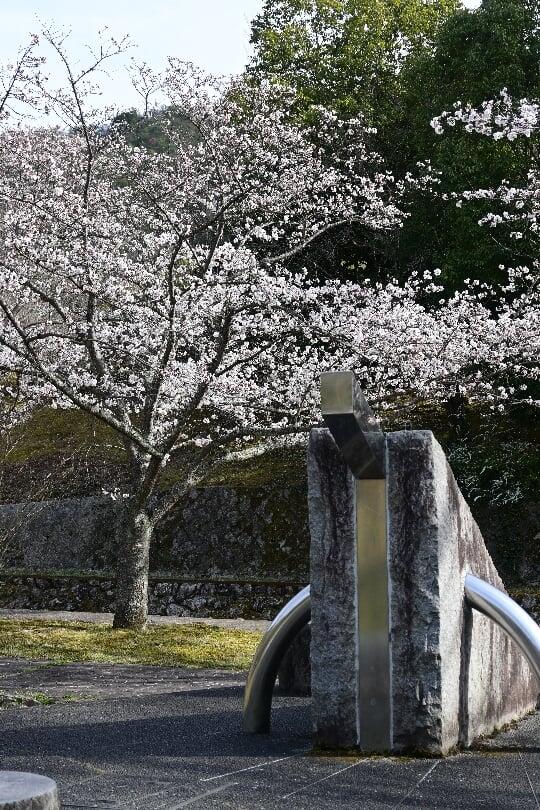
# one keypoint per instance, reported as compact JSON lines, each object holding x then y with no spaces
{"x":164,"y":739}
{"x":107,"y":618}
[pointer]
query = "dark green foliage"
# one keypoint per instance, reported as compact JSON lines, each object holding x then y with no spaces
{"x":343,"y":53}
{"x":151,"y":131}
{"x":476,"y":55}
{"x":495,"y":459}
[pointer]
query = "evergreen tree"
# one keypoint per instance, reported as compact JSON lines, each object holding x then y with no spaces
{"x":476,"y":55}
{"x":345,"y":54}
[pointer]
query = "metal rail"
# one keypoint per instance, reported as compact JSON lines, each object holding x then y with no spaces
{"x":482,"y":596}
{"x":515,"y":621}
{"x":264,"y":668}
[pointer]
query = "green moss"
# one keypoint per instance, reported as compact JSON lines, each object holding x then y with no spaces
{"x":27,"y":699}
{"x":52,"y":431}
{"x":8,"y":699}
{"x":49,"y":573}
{"x":522,"y":592}
{"x":8,"y":574}
{"x":285,"y":535}
{"x":196,"y":645}
{"x":319,"y":751}
{"x":532,"y":590}
{"x":356,"y":753}
{"x":287,"y":465}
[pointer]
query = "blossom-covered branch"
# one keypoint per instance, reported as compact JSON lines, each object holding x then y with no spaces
{"x":154,"y":288}
{"x":517,"y":207}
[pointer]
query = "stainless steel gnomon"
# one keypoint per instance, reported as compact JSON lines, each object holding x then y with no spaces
{"x":357,"y":433}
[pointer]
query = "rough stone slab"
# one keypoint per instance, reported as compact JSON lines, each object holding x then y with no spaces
{"x":415,"y":616}
{"x":334,"y":676}
{"x":294,"y":674}
{"x":456,"y":674}
{"x":27,"y":791}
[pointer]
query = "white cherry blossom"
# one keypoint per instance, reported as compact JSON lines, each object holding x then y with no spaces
{"x":157,"y":290}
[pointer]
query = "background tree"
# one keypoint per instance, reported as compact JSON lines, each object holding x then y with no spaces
{"x":399,"y":64}
{"x":461,"y":55}
{"x":501,"y":467}
{"x":344,"y":54}
{"x":476,"y":54}
{"x":149,"y":129}
{"x":349,"y":55}
{"x":18,"y":81}
{"x":152,"y":289}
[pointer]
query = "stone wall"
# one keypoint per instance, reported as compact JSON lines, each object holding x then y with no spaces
{"x":255,"y":532}
{"x":217,"y":531}
{"x":61,"y":551}
{"x":227,"y":600}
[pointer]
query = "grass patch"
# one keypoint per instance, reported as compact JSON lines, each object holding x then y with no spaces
{"x":13,"y":700}
{"x":8,"y":700}
{"x":195,"y":645}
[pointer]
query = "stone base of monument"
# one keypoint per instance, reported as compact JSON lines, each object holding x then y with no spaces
{"x":455,"y":675}
{"x":27,"y":791}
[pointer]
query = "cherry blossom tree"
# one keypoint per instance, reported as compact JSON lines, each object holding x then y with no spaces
{"x":154,"y":290}
{"x":18,"y":81}
{"x":514,"y":210}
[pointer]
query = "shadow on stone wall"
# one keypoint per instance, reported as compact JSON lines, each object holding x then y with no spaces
{"x":217,"y":531}
{"x":61,"y":553}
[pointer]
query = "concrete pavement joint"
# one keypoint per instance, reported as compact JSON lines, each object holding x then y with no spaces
{"x":417,"y":785}
{"x":253,"y":767}
{"x":529,"y":780}
{"x":324,"y":778}
{"x":200,"y":796}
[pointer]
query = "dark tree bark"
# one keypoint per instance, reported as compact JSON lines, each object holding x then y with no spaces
{"x":135,"y":535}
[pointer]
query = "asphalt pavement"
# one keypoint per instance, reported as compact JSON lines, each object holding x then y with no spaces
{"x":156,"y":738}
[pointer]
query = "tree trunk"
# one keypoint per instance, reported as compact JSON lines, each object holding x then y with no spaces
{"x":135,"y":534}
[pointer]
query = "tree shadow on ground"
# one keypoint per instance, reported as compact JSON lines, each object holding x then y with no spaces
{"x":154,"y":731}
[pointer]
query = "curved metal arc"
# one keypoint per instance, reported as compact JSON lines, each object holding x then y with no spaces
{"x":515,"y":621}
{"x":482,"y":596}
{"x":264,"y":668}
